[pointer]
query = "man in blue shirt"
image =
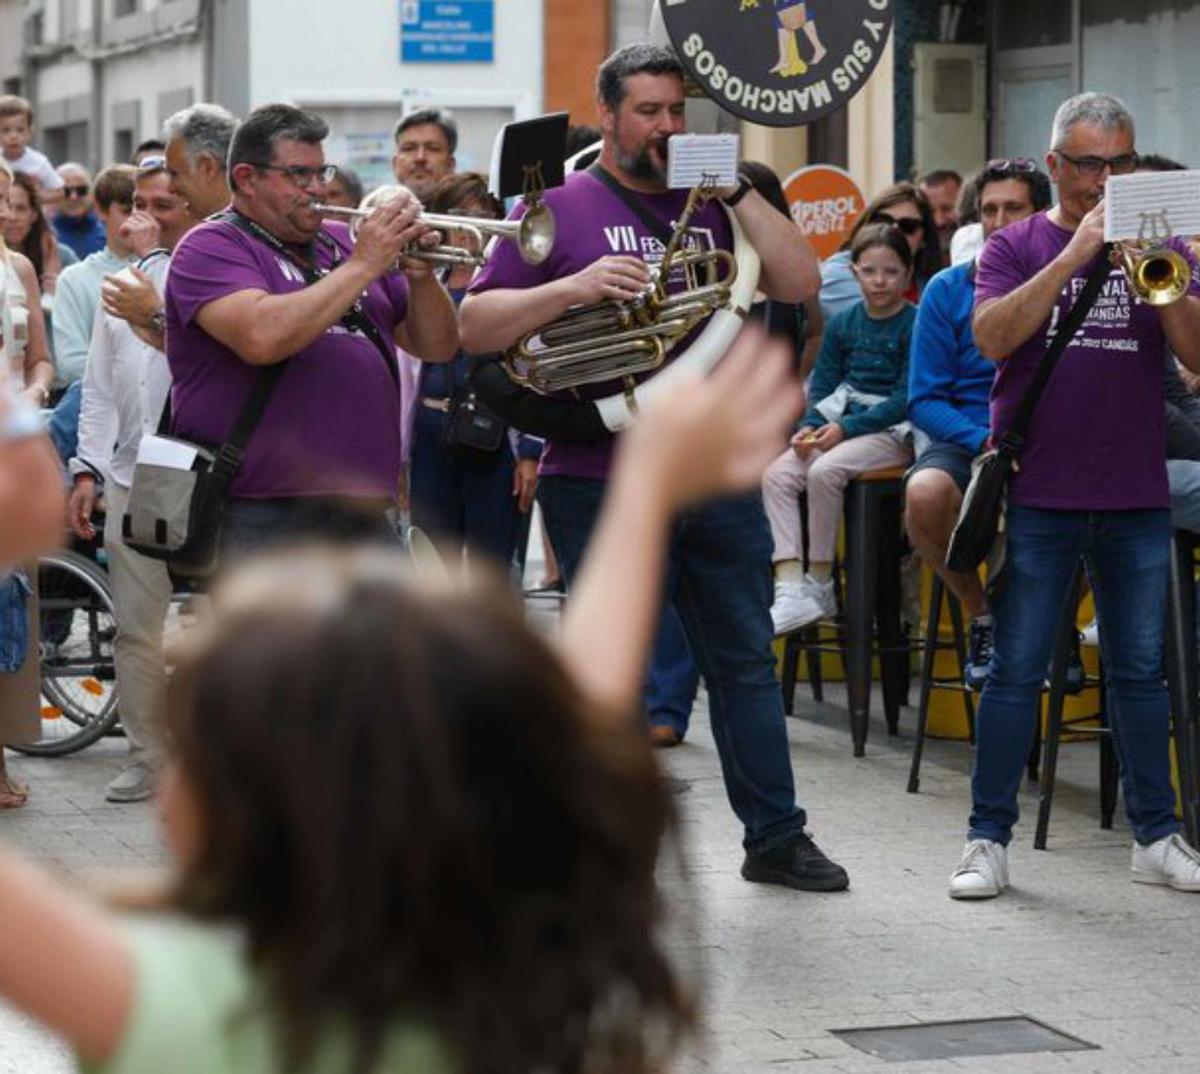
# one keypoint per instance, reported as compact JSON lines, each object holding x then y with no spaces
{"x":76,"y":223}
{"x":950,"y":383}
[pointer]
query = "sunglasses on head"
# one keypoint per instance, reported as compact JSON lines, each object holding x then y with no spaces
{"x":907,"y":225}
{"x":1019,"y":165}
{"x":80,"y":191}
{"x":151,"y":164}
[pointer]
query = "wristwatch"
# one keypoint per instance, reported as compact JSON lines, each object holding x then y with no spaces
{"x":158,"y":320}
{"x":743,"y":188}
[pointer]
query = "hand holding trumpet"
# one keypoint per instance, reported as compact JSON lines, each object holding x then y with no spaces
{"x":383,"y":237}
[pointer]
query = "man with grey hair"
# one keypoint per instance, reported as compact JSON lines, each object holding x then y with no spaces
{"x":1092,"y":484}
{"x":197,"y":150}
{"x":268,"y":283}
{"x":426,"y":141}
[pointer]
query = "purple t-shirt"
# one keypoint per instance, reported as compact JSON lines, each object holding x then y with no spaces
{"x":332,"y":425}
{"x":592,"y":222}
{"x":1096,"y":441}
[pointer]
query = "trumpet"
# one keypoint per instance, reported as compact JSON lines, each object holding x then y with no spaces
{"x":533,"y":233}
{"x":1157,"y":274}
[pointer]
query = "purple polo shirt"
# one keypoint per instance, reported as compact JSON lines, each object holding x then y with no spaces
{"x":592,"y":222}
{"x":1096,"y":442}
{"x":332,"y":425}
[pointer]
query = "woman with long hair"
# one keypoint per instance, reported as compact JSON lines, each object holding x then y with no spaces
{"x":28,"y":232}
{"x":903,"y":206}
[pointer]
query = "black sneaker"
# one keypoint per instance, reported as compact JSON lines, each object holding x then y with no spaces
{"x":798,"y":864}
{"x":979,"y":653}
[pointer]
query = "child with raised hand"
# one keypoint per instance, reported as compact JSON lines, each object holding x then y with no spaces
{"x":408,"y":835}
{"x":855,"y":422}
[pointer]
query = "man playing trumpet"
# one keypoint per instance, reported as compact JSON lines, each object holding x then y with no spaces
{"x":270,"y":283}
{"x":719,"y":575}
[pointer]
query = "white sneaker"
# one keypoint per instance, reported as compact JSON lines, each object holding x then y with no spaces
{"x":799,"y":603}
{"x":134,"y":783}
{"x":1169,"y":861}
{"x":982,"y":871}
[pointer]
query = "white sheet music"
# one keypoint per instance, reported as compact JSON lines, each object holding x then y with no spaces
{"x":693,"y":159}
{"x":1152,"y":205}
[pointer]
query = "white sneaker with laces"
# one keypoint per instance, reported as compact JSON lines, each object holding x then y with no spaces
{"x":982,"y":871}
{"x":799,"y":603}
{"x":1170,"y":861}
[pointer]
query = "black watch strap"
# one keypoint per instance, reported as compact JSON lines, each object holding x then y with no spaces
{"x":743,"y":188}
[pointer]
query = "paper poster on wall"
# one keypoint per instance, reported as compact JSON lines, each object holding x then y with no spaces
{"x":369,"y":155}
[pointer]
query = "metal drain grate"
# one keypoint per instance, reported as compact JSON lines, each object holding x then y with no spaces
{"x":949,"y":1040}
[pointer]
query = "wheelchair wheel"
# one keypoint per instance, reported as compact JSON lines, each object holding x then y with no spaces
{"x":78,"y":627}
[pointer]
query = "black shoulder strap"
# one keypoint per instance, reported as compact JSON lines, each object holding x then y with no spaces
{"x":653,"y":224}
{"x":1014,"y":439}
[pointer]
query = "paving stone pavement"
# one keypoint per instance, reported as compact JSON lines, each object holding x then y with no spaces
{"x":1073,"y":943}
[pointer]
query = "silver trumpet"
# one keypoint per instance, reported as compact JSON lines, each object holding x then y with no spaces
{"x":533,"y":233}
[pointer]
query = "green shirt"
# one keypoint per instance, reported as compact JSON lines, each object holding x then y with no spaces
{"x":196,"y":1011}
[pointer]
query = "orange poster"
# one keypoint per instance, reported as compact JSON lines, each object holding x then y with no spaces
{"x":825,"y":202}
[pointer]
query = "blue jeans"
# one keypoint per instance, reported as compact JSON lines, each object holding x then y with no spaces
{"x":464,"y":497}
{"x":1127,"y":556}
{"x":673,"y":678}
{"x":719,"y":580}
{"x":63,"y":425}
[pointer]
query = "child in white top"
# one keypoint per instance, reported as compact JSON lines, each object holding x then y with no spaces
{"x":409,"y":835}
{"x":16,"y":130}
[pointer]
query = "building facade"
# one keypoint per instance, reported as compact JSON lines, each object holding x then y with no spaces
{"x":961,"y":80}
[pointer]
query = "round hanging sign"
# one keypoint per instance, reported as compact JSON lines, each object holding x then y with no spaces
{"x":779,"y":62}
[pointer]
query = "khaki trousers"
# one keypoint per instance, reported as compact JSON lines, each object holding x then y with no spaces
{"x":141,"y":590}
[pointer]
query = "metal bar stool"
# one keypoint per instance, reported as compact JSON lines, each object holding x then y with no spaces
{"x":932,"y":645}
{"x":873,"y":504}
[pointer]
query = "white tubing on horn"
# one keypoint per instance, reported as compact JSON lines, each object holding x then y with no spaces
{"x":708,"y":348}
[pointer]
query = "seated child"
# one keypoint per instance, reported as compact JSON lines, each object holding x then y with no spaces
{"x":855,"y":423}
{"x":408,"y":835}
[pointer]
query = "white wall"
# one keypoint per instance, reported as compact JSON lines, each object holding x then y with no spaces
{"x":142,"y":76}
{"x":344,"y":60}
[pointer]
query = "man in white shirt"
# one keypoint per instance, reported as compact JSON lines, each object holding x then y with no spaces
{"x":125,"y":388}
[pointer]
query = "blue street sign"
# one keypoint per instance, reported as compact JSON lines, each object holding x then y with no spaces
{"x":447,"y":31}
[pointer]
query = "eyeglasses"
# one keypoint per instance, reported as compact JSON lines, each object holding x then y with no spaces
{"x":301,"y":176}
{"x":1093,"y":166}
{"x":1020,"y":165}
{"x":80,"y":191}
{"x":907,"y":225}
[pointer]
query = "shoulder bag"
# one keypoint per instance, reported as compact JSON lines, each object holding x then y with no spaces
{"x":979,"y":533}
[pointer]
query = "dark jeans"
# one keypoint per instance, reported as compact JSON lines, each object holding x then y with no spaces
{"x":1127,"y":560}
{"x":462,"y":497}
{"x":259,"y":525}
{"x":719,"y":581}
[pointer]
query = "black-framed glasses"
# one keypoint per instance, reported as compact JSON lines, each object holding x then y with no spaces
{"x":1093,"y":166}
{"x":907,"y":224}
{"x":301,"y":176}
{"x":1018,"y":165}
{"x":78,"y":190}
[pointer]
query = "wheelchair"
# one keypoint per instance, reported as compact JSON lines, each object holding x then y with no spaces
{"x":78,"y":677}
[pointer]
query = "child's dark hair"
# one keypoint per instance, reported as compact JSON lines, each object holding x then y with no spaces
{"x":408,"y":806}
{"x":885,"y":235}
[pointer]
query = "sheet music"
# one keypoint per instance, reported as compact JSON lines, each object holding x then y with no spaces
{"x":693,"y":159}
{"x":1152,"y":205}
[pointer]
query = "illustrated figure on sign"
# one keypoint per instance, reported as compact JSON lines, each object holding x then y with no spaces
{"x":791,"y":16}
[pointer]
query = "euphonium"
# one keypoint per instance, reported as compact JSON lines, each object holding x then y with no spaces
{"x":1157,"y":274}
{"x":615,"y":340}
{"x":533,"y":233}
